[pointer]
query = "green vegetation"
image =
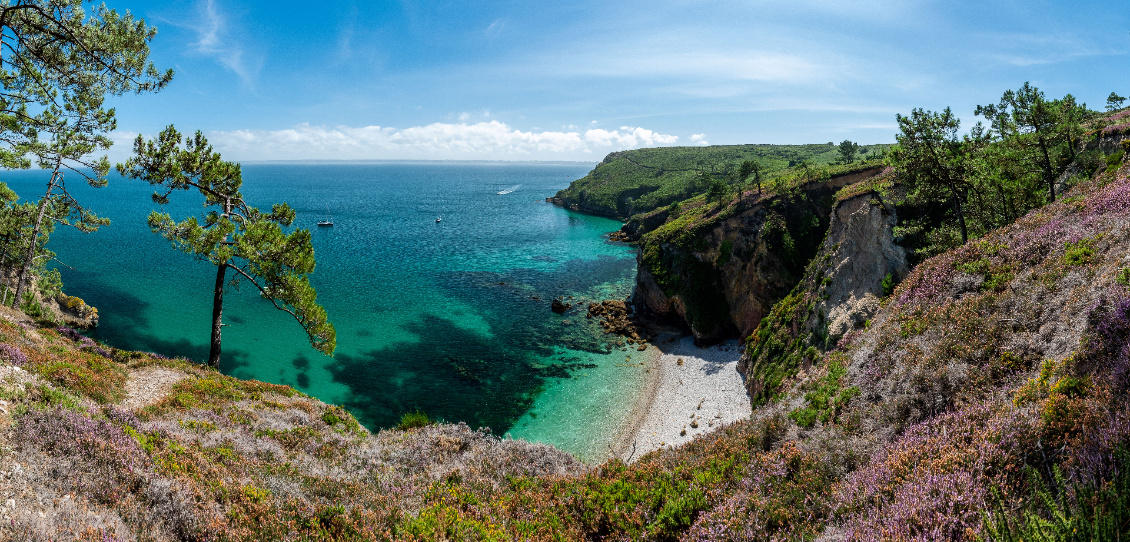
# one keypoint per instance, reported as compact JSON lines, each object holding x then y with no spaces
{"x":828,"y":396}
{"x":235,"y":235}
{"x":414,"y":420}
{"x":958,"y":187}
{"x":652,"y":178}
{"x":61,"y":63}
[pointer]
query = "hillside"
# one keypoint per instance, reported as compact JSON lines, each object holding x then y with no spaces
{"x":641,"y":180}
{"x":988,"y":393}
{"x":717,"y":268}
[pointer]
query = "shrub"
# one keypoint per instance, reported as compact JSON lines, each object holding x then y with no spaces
{"x":1123,"y":277}
{"x":13,"y":354}
{"x":414,"y":420}
{"x":1079,"y":253}
{"x":889,"y":285}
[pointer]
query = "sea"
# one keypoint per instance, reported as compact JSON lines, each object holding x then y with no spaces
{"x":438,"y":277}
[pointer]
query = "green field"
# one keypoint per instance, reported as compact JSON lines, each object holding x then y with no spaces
{"x":638,"y":181}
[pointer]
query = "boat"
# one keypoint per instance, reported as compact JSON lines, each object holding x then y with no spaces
{"x":329,"y":221}
{"x":438,"y":219}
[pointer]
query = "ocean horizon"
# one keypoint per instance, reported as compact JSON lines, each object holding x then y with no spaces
{"x":451,"y":317}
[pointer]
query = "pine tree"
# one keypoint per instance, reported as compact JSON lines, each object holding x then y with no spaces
{"x":232,"y":235}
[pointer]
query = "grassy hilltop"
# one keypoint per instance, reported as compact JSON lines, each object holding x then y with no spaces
{"x":640,"y":180}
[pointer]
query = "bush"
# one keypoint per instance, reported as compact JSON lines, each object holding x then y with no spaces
{"x":414,"y":420}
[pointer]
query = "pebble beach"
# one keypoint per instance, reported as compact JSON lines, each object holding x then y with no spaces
{"x":689,"y":392}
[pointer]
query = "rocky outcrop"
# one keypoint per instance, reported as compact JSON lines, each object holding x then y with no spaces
{"x":724,"y":275}
{"x":861,"y":254}
{"x":73,"y":311}
{"x":858,"y":264}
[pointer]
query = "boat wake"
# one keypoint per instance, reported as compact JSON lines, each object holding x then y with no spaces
{"x":508,"y":190}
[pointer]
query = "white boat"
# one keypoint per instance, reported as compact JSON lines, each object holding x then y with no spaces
{"x":329,"y":221}
{"x":438,"y":219}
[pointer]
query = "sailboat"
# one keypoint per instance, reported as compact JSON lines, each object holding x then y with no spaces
{"x":329,"y":221}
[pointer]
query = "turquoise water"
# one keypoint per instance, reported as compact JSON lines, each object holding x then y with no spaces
{"x":448,"y":317}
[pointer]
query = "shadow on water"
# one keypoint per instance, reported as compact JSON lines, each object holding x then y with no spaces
{"x":115,"y":301}
{"x":465,"y":377}
{"x":456,"y":374}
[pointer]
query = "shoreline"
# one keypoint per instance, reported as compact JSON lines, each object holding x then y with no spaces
{"x":683,"y":400}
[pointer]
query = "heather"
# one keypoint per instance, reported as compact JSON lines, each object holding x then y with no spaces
{"x":986,"y":399}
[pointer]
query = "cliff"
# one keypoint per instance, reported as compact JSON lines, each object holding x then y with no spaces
{"x":718,"y":269}
{"x":857,"y":265}
{"x":628,"y":183}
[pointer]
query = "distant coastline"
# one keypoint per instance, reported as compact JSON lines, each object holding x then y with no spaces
{"x":591,"y":163}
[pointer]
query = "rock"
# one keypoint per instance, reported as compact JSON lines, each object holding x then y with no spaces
{"x":861,"y":251}
{"x":559,"y":306}
{"x":616,"y":317}
{"x":73,"y":311}
{"x":723,"y":285}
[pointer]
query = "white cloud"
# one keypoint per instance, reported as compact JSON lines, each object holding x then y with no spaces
{"x":486,"y":140}
{"x":699,"y":139}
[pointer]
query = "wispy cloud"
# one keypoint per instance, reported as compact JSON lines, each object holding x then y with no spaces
{"x":699,"y":139}
{"x":496,"y":27}
{"x":482,"y":140}
{"x":214,"y":39}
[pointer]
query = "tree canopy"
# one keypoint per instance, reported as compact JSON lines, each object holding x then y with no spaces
{"x":232,"y":234}
{"x":58,"y":62}
{"x":1044,"y":131}
{"x":932,"y":159}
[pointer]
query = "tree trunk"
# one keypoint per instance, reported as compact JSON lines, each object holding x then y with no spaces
{"x":29,"y":255}
{"x":217,"y":317}
{"x":1048,"y":176}
{"x":960,"y":214}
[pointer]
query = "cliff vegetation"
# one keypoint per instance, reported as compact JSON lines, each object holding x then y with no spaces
{"x":637,"y":181}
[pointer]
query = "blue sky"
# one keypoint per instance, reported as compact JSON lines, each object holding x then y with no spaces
{"x":521,"y":80}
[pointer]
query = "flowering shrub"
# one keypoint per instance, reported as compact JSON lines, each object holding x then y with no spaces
{"x":932,"y":482}
{"x":108,"y":460}
{"x":70,"y":333}
{"x":13,"y":354}
{"x":784,"y":496}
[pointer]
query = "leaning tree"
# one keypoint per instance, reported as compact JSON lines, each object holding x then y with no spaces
{"x":232,"y":235}
{"x":933,"y":159}
{"x":59,"y":60}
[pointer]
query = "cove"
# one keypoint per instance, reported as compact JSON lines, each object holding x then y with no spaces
{"x":449,"y":317}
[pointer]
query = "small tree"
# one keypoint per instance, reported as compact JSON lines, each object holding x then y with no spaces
{"x":750,"y":172}
{"x":717,"y":191}
{"x":1114,"y":102}
{"x":234,"y":235}
{"x":932,"y":159}
{"x":674,"y":210}
{"x":848,"y":150}
{"x":1026,"y":118}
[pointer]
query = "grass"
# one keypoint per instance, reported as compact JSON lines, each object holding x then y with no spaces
{"x":962,"y":412}
{"x":642,"y":180}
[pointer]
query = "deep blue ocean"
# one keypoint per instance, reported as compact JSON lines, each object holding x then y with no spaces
{"x":451,"y":317}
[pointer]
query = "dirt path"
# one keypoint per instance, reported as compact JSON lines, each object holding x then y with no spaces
{"x":149,"y":385}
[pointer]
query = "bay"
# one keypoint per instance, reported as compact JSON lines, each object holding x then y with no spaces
{"x":448,"y":317}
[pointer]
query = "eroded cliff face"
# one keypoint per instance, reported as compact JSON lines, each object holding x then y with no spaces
{"x":862,"y":253}
{"x":720,"y":278}
{"x":841,"y":289}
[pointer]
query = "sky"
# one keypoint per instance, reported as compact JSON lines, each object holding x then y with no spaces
{"x":521,"y":80}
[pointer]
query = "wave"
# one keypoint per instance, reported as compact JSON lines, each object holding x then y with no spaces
{"x":508,"y":190}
